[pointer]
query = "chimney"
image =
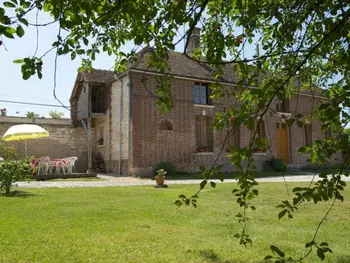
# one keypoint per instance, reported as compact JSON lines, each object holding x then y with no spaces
{"x":193,"y":41}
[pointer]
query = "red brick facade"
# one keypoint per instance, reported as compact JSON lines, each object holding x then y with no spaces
{"x":150,"y":144}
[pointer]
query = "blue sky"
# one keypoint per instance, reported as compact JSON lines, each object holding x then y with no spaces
{"x":14,"y":88}
{"x":34,"y":90}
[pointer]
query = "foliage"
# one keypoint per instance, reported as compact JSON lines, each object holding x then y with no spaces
{"x":304,"y":45}
{"x":276,"y":165}
{"x":326,"y":167}
{"x":7,"y":152}
{"x":3,"y":111}
{"x":31,"y":114}
{"x":166,"y":166}
{"x":56,"y":115}
{"x":11,"y":172}
{"x":161,"y":173}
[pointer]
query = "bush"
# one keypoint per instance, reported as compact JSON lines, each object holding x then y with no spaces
{"x":13,"y":171}
{"x":276,"y":165}
{"x":7,"y":152}
{"x":167,"y":166}
{"x":326,"y":167}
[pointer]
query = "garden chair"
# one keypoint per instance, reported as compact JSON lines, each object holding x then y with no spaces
{"x":56,"y":165}
{"x":43,"y":165}
{"x":71,"y":164}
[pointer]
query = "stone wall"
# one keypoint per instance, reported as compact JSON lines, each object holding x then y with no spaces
{"x":64,"y":140}
{"x":115,"y":127}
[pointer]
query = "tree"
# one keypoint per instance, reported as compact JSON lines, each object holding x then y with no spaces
{"x":56,"y":115}
{"x":305,"y":42}
{"x":31,"y":114}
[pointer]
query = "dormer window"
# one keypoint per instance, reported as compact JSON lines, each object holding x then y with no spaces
{"x":201,"y":94}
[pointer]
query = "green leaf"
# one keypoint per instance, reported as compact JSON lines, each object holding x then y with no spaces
{"x":266,"y":65}
{"x":73,"y":55}
{"x":40,"y":75}
{"x":276,"y":250}
{"x":9,"y":4}
{"x":212,"y":184}
{"x":23,"y":21}
{"x":9,"y":31}
{"x":282,"y":213}
{"x":18,"y":61}
{"x":20,"y":31}
{"x":268,"y":257}
{"x":203,"y":184}
{"x":26,"y":75}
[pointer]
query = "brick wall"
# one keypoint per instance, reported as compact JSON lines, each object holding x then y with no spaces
{"x":151,"y":145}
{"x":64,"y":139}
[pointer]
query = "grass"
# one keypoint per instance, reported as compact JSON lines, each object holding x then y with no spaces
{"x":141,"y":224}
{"x":232,"y":175}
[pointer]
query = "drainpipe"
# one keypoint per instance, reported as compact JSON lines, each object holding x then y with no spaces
{"x":120,"y":126}
{"x":89,"y":170}
{"x":129,"y":121}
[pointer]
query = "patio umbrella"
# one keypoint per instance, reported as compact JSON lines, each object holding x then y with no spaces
{"x":24,"y":132}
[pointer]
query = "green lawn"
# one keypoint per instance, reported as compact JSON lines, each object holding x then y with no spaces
{"x":232,"y":175}
{"x":141,"y":224}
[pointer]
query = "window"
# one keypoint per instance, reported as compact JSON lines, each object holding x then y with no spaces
{"x":100,"y":136}
{"x":234,"y":135}
{"x":308,"y":135}
{"x":204,"y":134}
{"x":282,"y":105}
{"x":328,"y":134}
{"x":201,"y":93}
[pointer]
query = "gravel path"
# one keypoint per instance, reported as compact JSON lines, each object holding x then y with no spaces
{"x":129,"y":181}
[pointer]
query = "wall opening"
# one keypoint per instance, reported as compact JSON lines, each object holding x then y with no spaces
{"x":165,"y":125}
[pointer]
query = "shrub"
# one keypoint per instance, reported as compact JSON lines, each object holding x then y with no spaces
{"x":326,"y":167}
{"x":8,"y":153}
{"x":167,"y":166}
{"x":13,"y":171}
{"x":276,"y":165}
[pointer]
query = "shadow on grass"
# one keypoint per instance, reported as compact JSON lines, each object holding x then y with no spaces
{"x":342,"y":259}
{"x":19,"y":194}
{"x":210,"y":256}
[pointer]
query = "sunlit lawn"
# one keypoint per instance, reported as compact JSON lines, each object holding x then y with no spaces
{"x":141,"y":224}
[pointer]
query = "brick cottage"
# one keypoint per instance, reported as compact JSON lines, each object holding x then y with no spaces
{"x":132,"y":135}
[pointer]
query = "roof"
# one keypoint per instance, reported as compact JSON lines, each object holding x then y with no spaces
{"x":180,"y":65}
{"x":98,"y":76}
{"x":94,"y":76}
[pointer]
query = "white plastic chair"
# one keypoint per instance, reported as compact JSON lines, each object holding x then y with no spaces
{"x":71,"y":164}
{"x":43,"y":165}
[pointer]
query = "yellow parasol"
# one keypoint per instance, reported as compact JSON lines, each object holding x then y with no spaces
{"x":24,"y":132}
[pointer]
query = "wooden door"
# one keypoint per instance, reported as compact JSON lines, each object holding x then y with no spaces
{"x":282,"y":142}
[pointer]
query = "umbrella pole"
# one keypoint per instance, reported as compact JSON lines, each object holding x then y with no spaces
{"x":25,"y":148}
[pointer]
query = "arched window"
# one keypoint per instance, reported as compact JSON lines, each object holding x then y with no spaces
{"x":165,"y":125}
